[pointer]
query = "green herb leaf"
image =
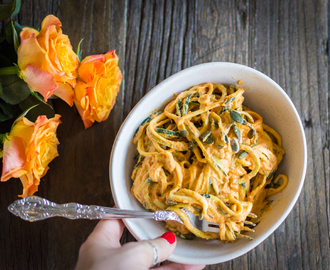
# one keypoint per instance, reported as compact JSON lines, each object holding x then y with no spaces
{"x":186,"y":105}
{"x":177,"y":105}
{"x":167,"y":132}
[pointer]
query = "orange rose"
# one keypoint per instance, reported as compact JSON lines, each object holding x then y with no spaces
{"x":97,"y":87}
{"x":46,"y":60}
{"x":28,"y":149}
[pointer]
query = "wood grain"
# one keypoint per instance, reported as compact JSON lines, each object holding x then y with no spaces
{"x":286,"y":40}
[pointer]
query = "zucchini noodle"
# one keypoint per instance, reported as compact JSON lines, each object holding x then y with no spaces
{"x":208,"y":153}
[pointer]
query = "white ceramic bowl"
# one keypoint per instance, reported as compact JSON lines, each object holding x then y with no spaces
{"x":262,"y":95}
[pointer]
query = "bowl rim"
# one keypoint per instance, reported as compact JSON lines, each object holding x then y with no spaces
{"x":256,"y":242}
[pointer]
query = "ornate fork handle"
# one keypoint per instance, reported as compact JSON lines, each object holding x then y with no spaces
{"x":34,"y":208}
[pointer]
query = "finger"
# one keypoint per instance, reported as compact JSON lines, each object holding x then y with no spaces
{"x":143,"y":252}
{"x":107,"y":232}
{"x":179,"y":266}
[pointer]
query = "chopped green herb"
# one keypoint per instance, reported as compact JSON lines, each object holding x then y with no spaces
{"x":178,"y":111}
{"x":185,"y":105}
{"x":167,"y":132}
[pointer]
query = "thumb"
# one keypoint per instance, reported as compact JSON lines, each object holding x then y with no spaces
{"x":147,"y":253}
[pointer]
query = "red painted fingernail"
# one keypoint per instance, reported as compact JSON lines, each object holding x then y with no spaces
{"x":169,"y":237}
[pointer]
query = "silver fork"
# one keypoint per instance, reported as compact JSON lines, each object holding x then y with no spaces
{"x":33,"y":208}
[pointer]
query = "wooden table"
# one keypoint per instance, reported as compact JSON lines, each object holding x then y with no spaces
{"x":285,"y":39}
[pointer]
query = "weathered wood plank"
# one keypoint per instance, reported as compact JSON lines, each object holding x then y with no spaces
{"x":287,"y":40}
{"x":81,"y":172}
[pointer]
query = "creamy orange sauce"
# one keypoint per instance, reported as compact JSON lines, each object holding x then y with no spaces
{"x":207,"y":153}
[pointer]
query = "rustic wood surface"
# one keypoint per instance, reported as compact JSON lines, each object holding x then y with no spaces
{"x":285,"y":39}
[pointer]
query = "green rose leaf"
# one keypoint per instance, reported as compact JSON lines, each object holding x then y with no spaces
{"x":14,"y":89}
{"x":3,"y":117}
{"x":4,"y":61}
{"x":9,"y":33}
{"x":18,"y":27}
{"x":41,"y":109}
{"x":5,"y":11}
{"x":15,"y":37}
{"x":17,"y":7}
{"x":40,"y":98}
{"x":23,"y":114}
{"x":79,"y":50}
{"x":10,"y":10}
{"x":6,"y":108}
{"x":1,"y":91}
{"x":2,"y":139}
{"x":8,"y":55}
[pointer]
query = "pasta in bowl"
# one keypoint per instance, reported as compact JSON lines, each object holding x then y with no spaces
{"x":262,"y":96}
{"x":208,"y":153}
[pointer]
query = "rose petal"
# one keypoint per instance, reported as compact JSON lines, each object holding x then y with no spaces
{"x":93,"y":58}
{"x":39,"y":81}
{"x":13,"y":158}
{"x":50,"y":20}
{"x":29,"y":51}
{"x":64,"y":91}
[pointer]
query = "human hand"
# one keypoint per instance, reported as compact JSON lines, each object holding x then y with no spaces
{"x":102,"y":251}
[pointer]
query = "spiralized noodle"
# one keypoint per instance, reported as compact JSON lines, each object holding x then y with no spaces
{"x":207,"y":153}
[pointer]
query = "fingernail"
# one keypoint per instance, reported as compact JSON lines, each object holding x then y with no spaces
{"x":169,"y":237}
